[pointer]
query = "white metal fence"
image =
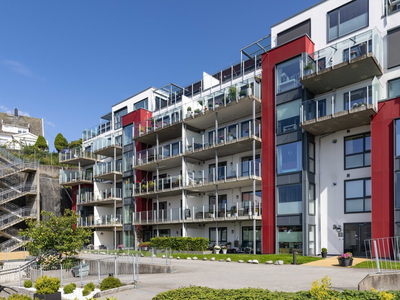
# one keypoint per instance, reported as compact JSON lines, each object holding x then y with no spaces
{"x":383,"y":254}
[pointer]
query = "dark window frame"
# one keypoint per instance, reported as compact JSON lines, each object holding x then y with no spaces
{"x":364,"y":197}
{"x":311,"y":158}
{"x":220,"y":229}
{"x":389,"y":82}
{"x":365,"y":134}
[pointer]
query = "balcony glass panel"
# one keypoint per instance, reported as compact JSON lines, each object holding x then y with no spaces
{"x":128,"y":131}
{"x":288,"y":116}
{"x":394,"y":88}
{"x":127,"y":186}
{"x":159,"y":121}
{"x":145,"y":156}
{"x":287,"y":75}
{"x":289,"y":158}
{"x":128,"y":161}
{"x":290,"y":199}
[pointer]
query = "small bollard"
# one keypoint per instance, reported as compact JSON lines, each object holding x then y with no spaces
{"x":294,"y":257}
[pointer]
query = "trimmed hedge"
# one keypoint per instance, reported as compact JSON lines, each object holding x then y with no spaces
{"x":28,"y":284}
{"x":180,"y":243}
{"x":195,"y":292}
{"x":109,"y":283}
{"x":47,"y":285}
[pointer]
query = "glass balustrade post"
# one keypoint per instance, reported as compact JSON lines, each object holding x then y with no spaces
{"x":316,"y":110}
{"x":203,"y":176}
{"x":237,"y":171}
{"x":192,"y":213}
{"x":250,"y":210}
{"x":225,"y":211}
{"x":170,"y":215}
{"x":225,"y":173}
{"x":215,"y":212}
{"x":203,"y":212}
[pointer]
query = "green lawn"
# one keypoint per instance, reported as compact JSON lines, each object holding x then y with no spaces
{"x":383,"y":265}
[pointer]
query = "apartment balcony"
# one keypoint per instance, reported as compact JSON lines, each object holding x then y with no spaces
{"x":168,"y":126}
{"x":350,"y":61}
{"x":108,"y":146}
{"x":101,"y":221}
{"x":229,"y":140}
{"x":168,"y":156}
{"x":226,"y":177}
{"x":76,"y":157}
{"x":71,"y":178}
{"x":231,"y":103}
{"x":100,"y":197}
{"x":106,"y":171}
{"x":170,"y":186}
{"x":337,"y":111}
{"x":227,"y":212}
{"x":103,"y":127}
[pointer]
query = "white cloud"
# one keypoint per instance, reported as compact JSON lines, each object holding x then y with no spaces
{"x":9,"y":111}
{"x":5,"y":109}
{"x":20,"y":68}
{"x":50,"y":123}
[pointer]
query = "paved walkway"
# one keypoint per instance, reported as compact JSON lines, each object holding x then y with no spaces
{"x":332,"y":262}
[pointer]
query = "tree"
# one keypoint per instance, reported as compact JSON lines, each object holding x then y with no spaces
{"x":41,"y":143}
{"x":60,"y":142}
{"x":75,"y":144}
{"x":57,"y":235}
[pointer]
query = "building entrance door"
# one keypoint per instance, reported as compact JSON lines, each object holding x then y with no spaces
{"x":354,"y":236}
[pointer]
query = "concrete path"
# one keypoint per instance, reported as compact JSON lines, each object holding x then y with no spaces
{"x":332,"y":262}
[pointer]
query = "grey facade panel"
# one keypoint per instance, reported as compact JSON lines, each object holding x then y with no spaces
{"x":393,"y":48}
{"x":289,"y":96}
{"x":129,"y":173}
{"x":288,"y":179}
{"x":288,"y":137}
{"x":128,"y":201}
{"x":288,"y":220}
{"x":397,"y":164}
{"x":397,"y":216}
{"x":127,"y":227}
{"x":128,"y":148}
{"x":294,"y":32}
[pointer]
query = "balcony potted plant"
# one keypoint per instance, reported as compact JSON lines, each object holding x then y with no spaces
{"x":211,"y":214}
{"x":308,"y":68}
{"x":151,"y":185}
{"x":231,"y":136}
{"x":256,"y":213}
{"x":235,"y":212}
{"x":224,"y":249}
{"x":232,"y":93}
{"x":197,"y":111}
{"x":324,"y":252}
{"x":189,"y":112}
{"x":249,"y":90}
{"x":242,"y":94}
{"x":346,"y":259}
{"x":200,"y":102}
{"x":228,"y":214}
{"x":222,"y":138}
{"x":190,"y":146}
{"x":217,"y":249}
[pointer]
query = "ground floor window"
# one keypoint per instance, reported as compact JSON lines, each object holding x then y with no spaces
{"x":311,"y":240}
{"x":162,"y":232}
{"x":222,"y":235}
{"x":247,"y":237}
{"x":129,"y":239}
{"x":290,"y":238}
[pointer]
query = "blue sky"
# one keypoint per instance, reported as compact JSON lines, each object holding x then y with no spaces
{"x":68,"y":62}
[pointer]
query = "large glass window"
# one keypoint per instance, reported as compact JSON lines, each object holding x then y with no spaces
{"x":247,"y":197}
{"x":128,"y":134}
{"x":247,"y":166}
{"x":248,"y":237}
{"x":358,"y":195}
{"x":397,"y":190}
{"x":311,"y":240}
{"x":287,"y":75}
{"x":289,"y":158}
{"x":394,"y":88}
{"x":128,"y":211}
{"x":289,"y":199}
{"x":311,"y":199}
{"x":222,"y":201}
{"x":348,"y":18}
{"x":245,"y":128}
{"x":397,"y":122}
{"x":141,"y":104}
{"x":222,"y":235}
{"x":311,"y":157}
{"x":128,"y":161}
{"x":358,"y":98}
{"x":288,"y":116}
{"x":290,"y":238}
{"x":127,"y":186}
{"x":358,"y":151}
{"x":118,"y":118}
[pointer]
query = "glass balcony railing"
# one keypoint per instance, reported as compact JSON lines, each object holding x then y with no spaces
{"x":107,"y":167}
{"x":223,"y":97}
{"x":90,"y":133}
{"x":236,"y":171}
{"x":99,"y":195}
{"x":352,"y":101}
{"x":222,"y":211}
{"x":345,"y":51}
{"x":151,"y":155}
{"x":68,"y":154}
{"x":163,"y":184}
{"x":71,"y":176}
{"x":105,"y":220}
{"x":101,"y":143}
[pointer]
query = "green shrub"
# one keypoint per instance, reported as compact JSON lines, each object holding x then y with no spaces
{"x":110,"y":283}
{"x":180,"y":243}
{"x":85,"y":291}
{"x":47,"y":285}
{"x":73,"y":284}
{"x":27,"y":284}
{"x":68,"y":289}
{"x":90,"y":286}
{"x":16,"y":297}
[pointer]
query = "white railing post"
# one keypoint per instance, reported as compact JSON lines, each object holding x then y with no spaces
{"x":377,"y":257}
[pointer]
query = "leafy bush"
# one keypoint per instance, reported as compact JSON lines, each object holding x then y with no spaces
{"x":73,"y":284}
{"x":68,"y":289}
{"x":47,"y":285}
{"x":110,"y":283}
{"x":16,"y":297}
{"x":27,"y":284}
{"x":90,"y":286}
{"x":180,"y":243}
{"x":86,"y":291}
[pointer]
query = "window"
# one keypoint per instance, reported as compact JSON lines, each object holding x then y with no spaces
{"x":289,"y":158}
{"x":288,"y":116}
{"x":219,"y":173}
{"x":358,"y":98}
{"x":290,"y":238}
{"x":294,"y":32}
{"x":358,"y":151}
{"x":222,"y":201}
{"x":289,"y":199}
{"x":128,"y":161}
{"x":118,"y":118}
{"x":397,"y":129}
{"x":311,"y":157}
{"x":127,"y":187}
{"x":247,"y":197}
{"x":393,"y":44}
{"x":391,"y":6}
{"x":141,"y":104}
{"x":247,"y":166}
{"x":222,"y":235}
{"x":311,"y":240}
{"x":163,"y":232}
{"x":357,"y":195}
{"x":245,"y":128}
{"x":311,"y":199}
{"x":248,"y":237}
{"x":128,"y":134}
{"x":394,"y":88}
{"x":128,"y":211}
{"x":397,"y":194}
{"x":288,"y":74}
{"x":310,"y":108}
{"x":348,"y":18}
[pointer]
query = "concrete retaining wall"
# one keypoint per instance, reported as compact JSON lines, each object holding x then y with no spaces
{"x":54,"y":171}
{"x":193,"y":252}
{"x":380,"y":282}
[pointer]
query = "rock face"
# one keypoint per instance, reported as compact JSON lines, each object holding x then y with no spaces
{"x":54,"y":197}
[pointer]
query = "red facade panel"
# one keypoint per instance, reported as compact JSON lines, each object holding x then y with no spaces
{"x":269,"y":60}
